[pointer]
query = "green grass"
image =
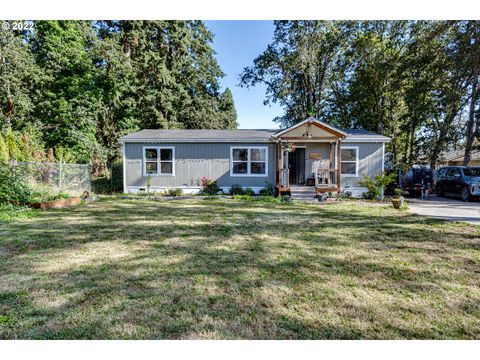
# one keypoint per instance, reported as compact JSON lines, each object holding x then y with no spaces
{"x":9,"y":213}
{"x":233,"y":269}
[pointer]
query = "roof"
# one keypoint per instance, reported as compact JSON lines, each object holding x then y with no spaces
{"x":361,"y":135}
{"x":310,"y":120}
{"x":241,"y":135}
{"x":456,"y":155}
{"x":208,"y":135}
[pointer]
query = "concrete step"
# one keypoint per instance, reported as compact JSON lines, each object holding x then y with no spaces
{"x":303,"y":193}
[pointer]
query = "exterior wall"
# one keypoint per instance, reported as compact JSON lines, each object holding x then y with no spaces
{"x":212,"y":160}
{"x":192,"y":162}
{"x":370,"y":163}
{"x":322,"y":148}
{"x":460,"y":163}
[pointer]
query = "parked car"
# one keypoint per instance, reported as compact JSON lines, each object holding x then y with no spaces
{"x":458,"y":180}
{"x":419,"y":178}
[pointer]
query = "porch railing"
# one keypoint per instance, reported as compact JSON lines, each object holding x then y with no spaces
{"x":326,"y":178}
{"x":284,"y":178}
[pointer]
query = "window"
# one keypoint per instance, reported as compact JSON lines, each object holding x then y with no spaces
{"x":158,"y":161}
{"x":473,"y":171}
{"x":248,"y":161}
{"x":349,"y":161}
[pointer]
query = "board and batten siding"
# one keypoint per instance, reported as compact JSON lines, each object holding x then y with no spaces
{"x":192,"y":162}
{"x":370,"y":162}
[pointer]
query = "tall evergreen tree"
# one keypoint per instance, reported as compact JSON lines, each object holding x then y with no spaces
{"x":19,"y":77}
{"x":68,"y":100}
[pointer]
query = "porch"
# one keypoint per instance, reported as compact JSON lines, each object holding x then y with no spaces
{"x":309,"y":154}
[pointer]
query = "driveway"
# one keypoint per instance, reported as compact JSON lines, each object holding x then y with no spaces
{"x":446,"y":208}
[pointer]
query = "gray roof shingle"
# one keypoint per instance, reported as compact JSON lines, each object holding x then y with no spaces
{"x":234,"y":135}
{"x":208,"y":135}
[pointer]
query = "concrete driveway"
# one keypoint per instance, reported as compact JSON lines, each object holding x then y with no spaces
{"x":446,"y":208}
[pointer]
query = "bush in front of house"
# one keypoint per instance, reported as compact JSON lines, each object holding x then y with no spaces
{"x":376,"y":186}
{"x":174,"y":192}
{"x":268,"y":190}
{"x":249,"y":192}
{"x":236,"y":190}
{"x":209,"y":186}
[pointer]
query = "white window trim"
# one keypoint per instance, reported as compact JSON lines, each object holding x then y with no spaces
{"x":158,"y":148}
{"x":248,"y":174}
{"x":357,"y":152}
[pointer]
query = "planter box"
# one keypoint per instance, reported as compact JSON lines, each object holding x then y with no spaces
{"x":57,"y":204}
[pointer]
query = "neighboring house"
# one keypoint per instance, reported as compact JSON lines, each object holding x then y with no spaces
{"x":455,"y":158}
{"x":330,"y":158}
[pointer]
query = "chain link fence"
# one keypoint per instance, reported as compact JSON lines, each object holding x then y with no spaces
{"x":55,"y":177}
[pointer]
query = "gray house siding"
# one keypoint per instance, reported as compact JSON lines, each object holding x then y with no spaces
{"x":322,"y":148}
{"x":370,"y":162}
{"x":192,"y":162}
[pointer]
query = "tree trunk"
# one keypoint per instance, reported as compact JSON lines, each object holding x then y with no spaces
{"x":472,"y":124}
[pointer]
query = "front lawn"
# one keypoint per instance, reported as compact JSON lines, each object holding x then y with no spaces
{"x":226,"y":269}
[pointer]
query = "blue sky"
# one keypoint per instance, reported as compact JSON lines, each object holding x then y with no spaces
{"x":237,"y":44}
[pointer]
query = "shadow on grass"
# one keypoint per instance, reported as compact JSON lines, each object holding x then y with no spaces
{"x":217,"y":269}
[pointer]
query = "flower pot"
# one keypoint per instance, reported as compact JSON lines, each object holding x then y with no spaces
{"x":397,"y":202}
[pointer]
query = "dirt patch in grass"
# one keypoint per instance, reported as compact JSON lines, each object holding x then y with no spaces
{"x":225,"y":269}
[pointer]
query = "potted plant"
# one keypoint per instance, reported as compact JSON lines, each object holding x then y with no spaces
{"x":288,"y":147}
{"x":397,"y":199}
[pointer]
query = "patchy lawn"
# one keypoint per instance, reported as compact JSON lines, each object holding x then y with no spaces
{"x":216,"y":269}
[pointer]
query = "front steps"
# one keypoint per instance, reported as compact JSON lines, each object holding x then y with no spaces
{"x":303,"y":193}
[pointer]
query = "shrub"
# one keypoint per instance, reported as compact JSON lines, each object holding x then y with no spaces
{"x":236,"y":190}
{"x":39,"y":197}
{"x":397,"y":192}
{"x":377,"y":185}
{"x":12,"y":188}
{"x":242,"y":197}
{"x":249,"y":192}
{"x":209,"y":186}
{"x":268,"y":190}
{"x":174,"y":192}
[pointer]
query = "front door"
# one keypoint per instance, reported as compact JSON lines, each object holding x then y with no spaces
{"x":296,"y":164}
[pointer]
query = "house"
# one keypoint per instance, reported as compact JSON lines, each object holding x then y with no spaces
{"x":311,"y":152}
{"x":455,"y":158}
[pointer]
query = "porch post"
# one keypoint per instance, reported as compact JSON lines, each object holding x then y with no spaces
{"x":331,"y":156}
{"x":338,"y":165}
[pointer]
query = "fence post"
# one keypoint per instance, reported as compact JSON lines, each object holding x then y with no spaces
{"x":61,"y":176}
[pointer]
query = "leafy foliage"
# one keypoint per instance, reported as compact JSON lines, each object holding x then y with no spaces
{"x":268,"y":190}
{"x":209,"y":186}
{"x":414,"y":81}
{"x":376,"y":186}
{"x":76,"y":86}
{"x":174,"y":192}
{"x":236,"y":189}
{"x":12,"y":188}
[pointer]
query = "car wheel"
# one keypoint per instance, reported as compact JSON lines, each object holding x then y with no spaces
{"x":440,"y":191}
{"x":465,"y":194}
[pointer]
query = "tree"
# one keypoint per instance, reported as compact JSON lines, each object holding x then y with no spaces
{"x":226,"y":107}
{"x":298,"y":66}
{"x":158,"y":74}
{"x":68,"y":99}
{"x":409,"y":80}
{"x":19,"y":76}
{"x":469,"y":34}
